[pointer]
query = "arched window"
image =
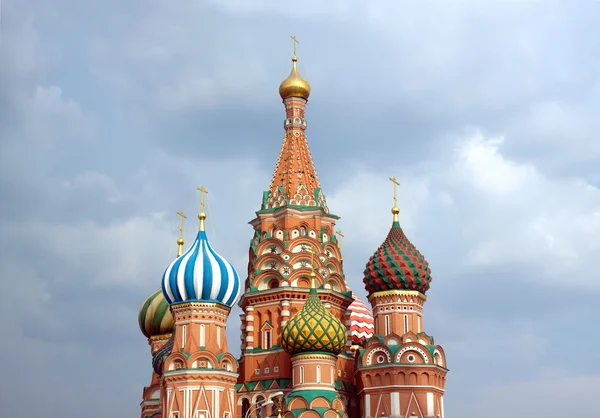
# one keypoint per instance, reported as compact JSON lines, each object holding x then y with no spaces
{"x":245,"y":407}
{"x":318,"y":374}
{"x":303,"y":231}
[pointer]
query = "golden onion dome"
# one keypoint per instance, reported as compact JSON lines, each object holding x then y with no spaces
{"x":313,"y":328}
{"x":294,"y":85}
{"x":155,"y":316}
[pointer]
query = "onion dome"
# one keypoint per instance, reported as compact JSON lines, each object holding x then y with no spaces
{"x":362,"y":324}
{"x":313,"y":328}
{"x":201,"y":275}
{"x":294,"y":85}
{"x":159,"y":355}
{"x":155,"y":315}
{"x":397,"y":264}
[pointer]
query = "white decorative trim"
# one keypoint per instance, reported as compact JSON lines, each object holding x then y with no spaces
{"x":412,"y":348}
{"x":379,"y":350}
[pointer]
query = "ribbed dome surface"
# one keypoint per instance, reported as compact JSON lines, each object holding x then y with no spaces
{"x":159,"y":355}
{"x":155,"y":315}
{"x":362,"y":324}
{"x":201,"y":275}
{"x":397,"y":265}
{"x":313,"y":328}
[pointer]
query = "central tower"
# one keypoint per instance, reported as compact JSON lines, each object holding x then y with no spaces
{"x":294,"y":239}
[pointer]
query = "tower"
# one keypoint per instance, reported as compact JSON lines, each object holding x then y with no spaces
{"x":314,"y":338}
{"x":294,"y":235}
{"x":156,"y":323}
{"x":198,"y":371}
{"x":401,"y":372}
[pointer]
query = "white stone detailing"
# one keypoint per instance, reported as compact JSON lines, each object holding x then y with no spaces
{"x":412,"y":348}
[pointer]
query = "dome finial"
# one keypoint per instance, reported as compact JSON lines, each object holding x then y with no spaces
{"x":180,"y":240}
{"x":294,"y":85}
{"x":202,"y":214}
{"x":395,"y":209}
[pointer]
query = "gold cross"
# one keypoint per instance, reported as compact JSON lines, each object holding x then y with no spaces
{"x":340,"y":236}
{"x":393,"y":180}
{"x":295,"y":42}
{"x":312,"y":256}
{"x":181,"y":217}
{"x":204,"y":191}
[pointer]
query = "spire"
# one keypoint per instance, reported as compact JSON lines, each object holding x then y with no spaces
{"x":295,"y":181}
{"x":202,"y":214}
{"x":395,"y":209}
{"x":180,"y":240}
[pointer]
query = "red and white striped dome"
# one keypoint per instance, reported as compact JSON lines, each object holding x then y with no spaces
{"x":362,"y":325}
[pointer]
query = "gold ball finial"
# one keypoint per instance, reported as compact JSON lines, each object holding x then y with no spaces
{"x":294,"y":85}
{"x":202,"y":216}
{"x":313,"y":274}
{"x":180,"y":241}
{"x":395,"y":210}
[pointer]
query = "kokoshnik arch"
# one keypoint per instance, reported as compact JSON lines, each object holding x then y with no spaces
{"x":303,"y":332}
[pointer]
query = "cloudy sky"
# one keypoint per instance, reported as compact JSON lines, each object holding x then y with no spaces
{"x":112,"y":113}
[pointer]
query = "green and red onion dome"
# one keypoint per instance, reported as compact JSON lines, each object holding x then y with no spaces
{"x":397,"y":265}
{"x":155,"y":315}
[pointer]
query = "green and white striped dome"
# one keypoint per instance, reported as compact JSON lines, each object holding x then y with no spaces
{"x":155,"y":316}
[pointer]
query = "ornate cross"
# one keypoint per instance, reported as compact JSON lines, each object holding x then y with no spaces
{"x":203,"y":191}
{"x":181,"y":217}
{"x":393,"y":180}
{"x":312,"y":256}
{"x":340,"y":236}
{"x":295,"y":42}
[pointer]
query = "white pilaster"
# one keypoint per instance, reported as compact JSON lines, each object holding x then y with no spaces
{"x":395,"y":404}
{"x":430,"y":404}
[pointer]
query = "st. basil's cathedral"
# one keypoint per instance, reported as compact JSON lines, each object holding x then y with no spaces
{"x":309,"y":347}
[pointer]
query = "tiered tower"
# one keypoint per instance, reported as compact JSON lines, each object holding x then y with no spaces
{"x":199,"y":372}
{"x":401,"y":372}
{"x":314,"y":338}
{"x":294,"y":234}
{"x":303,"y":332}
{"x":156,"y":323}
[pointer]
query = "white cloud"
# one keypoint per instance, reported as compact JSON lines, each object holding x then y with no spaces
{"x":507,"y":212}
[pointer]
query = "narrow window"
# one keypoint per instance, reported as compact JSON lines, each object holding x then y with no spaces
{"x":202,"y":335}
{"x":301,"y":375}
{"x":267,"y":342}
{"x":183,"y":332}
{"x":386,"y":324}
{"x":405,"y":324}
{"x":318,"y":374}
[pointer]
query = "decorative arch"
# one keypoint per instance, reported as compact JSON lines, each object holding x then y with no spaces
{"x":297,"y":403}
{"x":377,"y":355}
{"x":261,"y":280}
{"x":392,"y":339}
{"x":422,"y":354}
{"x":439,"y":357}
{"x":175,"y":361}
{"x":320,"y":402}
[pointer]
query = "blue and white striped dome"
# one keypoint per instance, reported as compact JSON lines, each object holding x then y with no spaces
{"x":201,"y":275}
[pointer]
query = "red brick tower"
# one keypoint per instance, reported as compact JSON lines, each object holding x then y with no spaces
{"x":293,"y":232}
{"x":401,"y":373}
